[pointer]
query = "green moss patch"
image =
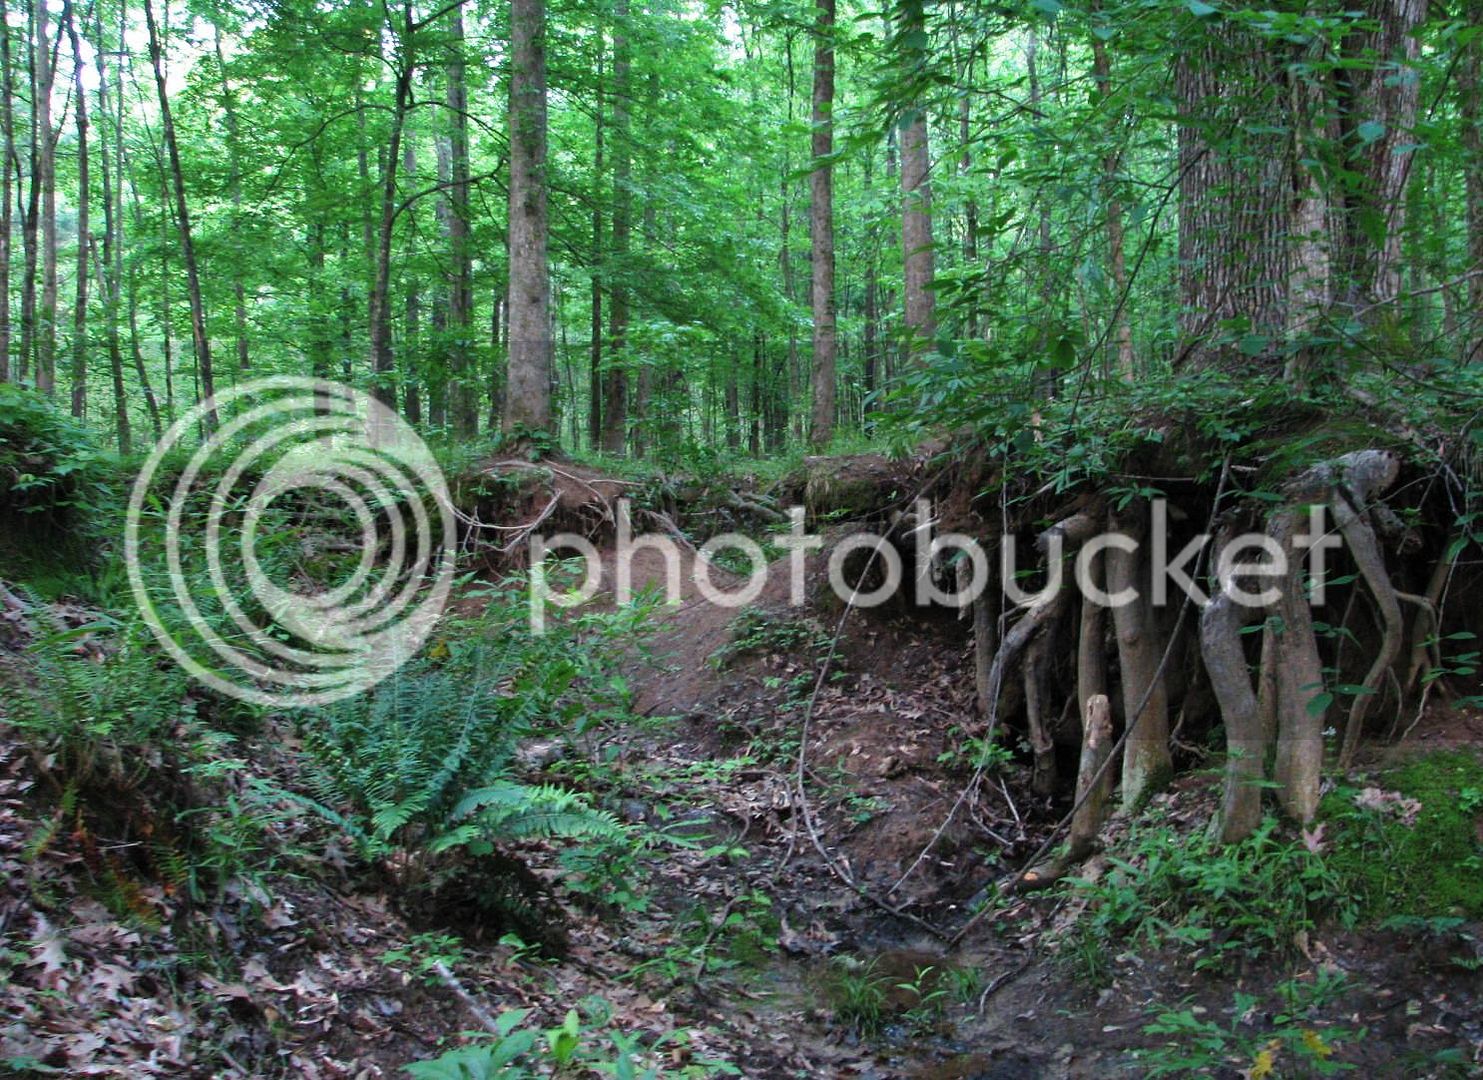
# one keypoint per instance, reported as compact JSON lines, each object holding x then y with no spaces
{"x":1429,"y":865}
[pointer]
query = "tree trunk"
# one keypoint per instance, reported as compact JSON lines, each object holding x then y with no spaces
{"x":80,"y":304}
{"x":916,"y":195}
{"x":199,"y":339}
{"x":821,"y":227}
{"x":528,"y":393}
{"x":109,"y":263}
{"x":1234,"y":196}
{"x":1246,"y":738}
{"x":1470,"y":89}
{"x":383,"y":362}
{"x":615,"y":381}
{"x":46,"y":177}
{"x":1146,"y":760}
{"x":460,"y":257}
{"x":594,"y":371}
{"x":130,"y":280}
{"x":7,"y":124}
{"x":1384,"y":90}
{"x":412,"y":363}
{"x":234,"y":191}
{"x":1300,"y":712}
{"x":1117,"y":261}
{"x":30,"y":217}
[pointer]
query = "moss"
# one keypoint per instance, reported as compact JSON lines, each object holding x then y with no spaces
{"x":1433,"y":867}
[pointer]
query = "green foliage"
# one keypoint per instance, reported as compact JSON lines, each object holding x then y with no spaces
{"x":1427,"y":868}
{"x":756,"y":631}
{"x":58,"y":489}
{"x":48,"y":460}
{"x":99,"y":704}
{"x":1287,"y":1042}
{"x":857,"y":992}
{"x":424,"y":763}
{"x":1218,"y":903}
{"x":518,"y":1051}
{"x":115,"y":729}
{"x":421,"y":764}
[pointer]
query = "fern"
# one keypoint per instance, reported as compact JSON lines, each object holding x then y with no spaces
{"x":422,"y":765}
{"x":94,"y":716}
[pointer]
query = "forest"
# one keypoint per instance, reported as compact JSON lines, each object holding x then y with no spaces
{"x":766,"y":538}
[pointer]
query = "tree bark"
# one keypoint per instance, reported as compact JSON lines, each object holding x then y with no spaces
{"x":1233,"y":198}
{"x":1470,"y":89}
{"x":7,"y":124}
{"x":46,"y":177}
{"x":109,"y":262}
{"x":1246,"y":739}
{"x":1116,"y":258}
{"x":594,"y":371}
{"x":821,"y":227}
{"x":80,"y":304}
{"x":916,"y":195}
{"x":383,"y":362}
{"x":528,"y":397}
{"x":199,"y":339}
{"x":615,"y":379}
{"x":460,"y":256}
{"x":412,"y":361}
{"x":234,"y":191}
{"x":1146,"y":760}
{"x":1385,"y":89}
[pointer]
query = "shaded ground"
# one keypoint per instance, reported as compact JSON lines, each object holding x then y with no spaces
{"x":752,"y":937}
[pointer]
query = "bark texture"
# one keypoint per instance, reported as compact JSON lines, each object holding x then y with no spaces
{"x":528,"y":398}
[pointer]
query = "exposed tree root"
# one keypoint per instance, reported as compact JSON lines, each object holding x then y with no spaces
{"x":1146,"y":760}
{"x":1246,"y":737}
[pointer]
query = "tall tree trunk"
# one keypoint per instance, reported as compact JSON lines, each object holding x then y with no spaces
{"x":871,"y":373}
{"x":109,"y":262}
{"x":411,"y":356}
{"x":30,"y":215}
{"x":80,"y":305}
{"x":1234,"y":194}
{"x":1111,"y":164}
{"x":6,"y":193}
{"x":234,"y":191}
{"x":383,"y":362}
{"x":916,"y":194}
{"x":46,"y":177}
{"x":1385,"y":90}
{"x":131,"y":282}
{"x":460,"y":258}
{"x":594,"y":370}
{"x":615,"y":381}
{"x":1470,"y":89}
{"x":7,"y":124}
{"x":528,"y":394}
{"x":821,"y":226}
{"x":199,"y":339}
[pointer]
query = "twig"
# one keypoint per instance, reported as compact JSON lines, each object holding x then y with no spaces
{"x":480,"y":1013}
{"x":998,"y":981}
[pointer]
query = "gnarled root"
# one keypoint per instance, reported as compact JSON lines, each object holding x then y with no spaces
{"x":1146,"y":759}
{"x":1246,"y":737}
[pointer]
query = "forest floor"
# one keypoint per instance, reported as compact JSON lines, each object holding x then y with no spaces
{"x":763,"y":935}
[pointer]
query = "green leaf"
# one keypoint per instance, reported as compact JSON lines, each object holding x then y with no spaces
{"x":1200,"y":9}
{"x":1369,"y":130}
